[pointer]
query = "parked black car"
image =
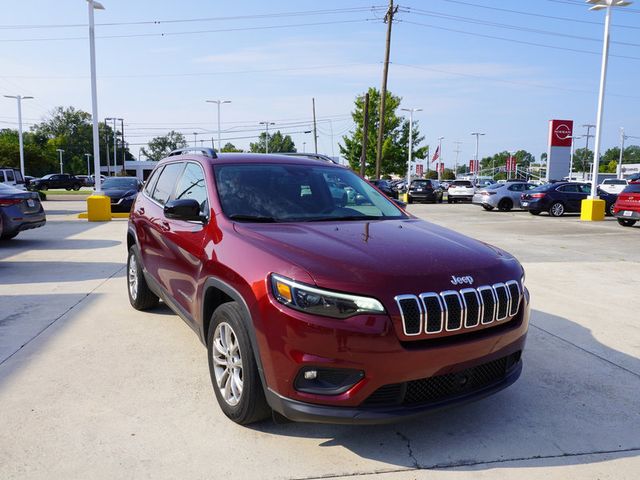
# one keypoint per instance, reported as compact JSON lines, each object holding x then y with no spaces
{"x":425,"y":191}
{"x":562,"y":197}
{"x":384,"y":187}
{"x":122,"y":191}
{"x":56,"y":180}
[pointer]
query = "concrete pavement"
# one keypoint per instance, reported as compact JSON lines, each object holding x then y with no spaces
{"x":90,"y":387}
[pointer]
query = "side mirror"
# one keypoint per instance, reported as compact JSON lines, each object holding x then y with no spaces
{"x":186,"y":209}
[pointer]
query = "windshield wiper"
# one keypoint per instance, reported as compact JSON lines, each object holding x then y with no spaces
{"x":252,"y":218}
{"x":345,"y":218}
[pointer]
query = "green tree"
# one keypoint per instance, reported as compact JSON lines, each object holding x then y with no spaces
{"x":159,"y":147}
{"x":230,"y":147}
{"x":448,"y":174}
{"x":396,"y":137}
{"x":38,"y":161}
{"x":581,"y":160}
{"x":277,"y":143}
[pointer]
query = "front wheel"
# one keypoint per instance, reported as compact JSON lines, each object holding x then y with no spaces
{"x":76,"y":187}
{"x":556,"y":209}
{"x":140,"y":295}
{"x":626,"y":223}
{"x":233,"y":367}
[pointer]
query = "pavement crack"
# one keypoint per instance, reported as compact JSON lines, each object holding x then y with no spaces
{"x":411,"y":456}
{"x":62,"y":314}
{"x":635,"y":374}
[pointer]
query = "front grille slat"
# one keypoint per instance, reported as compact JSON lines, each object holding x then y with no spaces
{"x":432,"y":313}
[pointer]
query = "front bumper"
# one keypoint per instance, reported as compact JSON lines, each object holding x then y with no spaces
{"x":294,"y":340}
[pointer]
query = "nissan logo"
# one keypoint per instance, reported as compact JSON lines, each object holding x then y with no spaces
{"x":562,"y":131}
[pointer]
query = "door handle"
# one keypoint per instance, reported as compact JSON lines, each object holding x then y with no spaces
{"x":140,"y":211}
{"x":164,"y":225}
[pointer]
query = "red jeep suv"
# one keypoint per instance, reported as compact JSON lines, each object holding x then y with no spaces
{"x":318,"y":299}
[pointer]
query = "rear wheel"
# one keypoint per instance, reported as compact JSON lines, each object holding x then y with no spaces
{"x":140,"y":295}
{"x":505,"y":205}
{"x":626,"y":223}
{"x":76,"y":187}
{"x":556,"y":209}
{"x":610,"y":209}
{"x":488,"y":208}
{"x":233,"y":368}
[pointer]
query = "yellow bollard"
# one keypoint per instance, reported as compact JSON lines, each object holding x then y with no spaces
{"x":98,"y":208}
{"x":592,"y":210}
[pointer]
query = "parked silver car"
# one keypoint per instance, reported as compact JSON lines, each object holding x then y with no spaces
{"x":503,"y":196}
{"x":19,"y":210}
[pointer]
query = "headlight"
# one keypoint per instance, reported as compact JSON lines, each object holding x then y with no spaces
{"x":315,"y":301}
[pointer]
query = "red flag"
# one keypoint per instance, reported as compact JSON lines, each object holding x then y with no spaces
{"x":436,"y":155}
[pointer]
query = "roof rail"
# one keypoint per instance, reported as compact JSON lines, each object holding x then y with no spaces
{"x":315,"y":156}
{"x":207,"y":152}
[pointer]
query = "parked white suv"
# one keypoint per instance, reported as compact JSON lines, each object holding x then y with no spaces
{"x":460,"y":190}
{"x":613,"y":185}
{"x":12,"y":177}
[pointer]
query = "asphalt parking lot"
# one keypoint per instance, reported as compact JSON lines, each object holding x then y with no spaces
{"x":90,"y":387}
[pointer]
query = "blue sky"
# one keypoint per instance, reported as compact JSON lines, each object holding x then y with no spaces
{"x":272,"y":60}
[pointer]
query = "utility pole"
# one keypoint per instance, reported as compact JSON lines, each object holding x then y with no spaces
{"x":388,"y":18}
{"x":571,"y":157}
{"x":60,"y":151}
{"x":365,"y":136}
{"x":588,"y":126}
{"x":195,"y":139}
{"x":124,"y":146}
{"x":88,"y":155}
{"x":115,"y":146}
{"x":315,"y":127}
{"x":457,"y":151}
{"x":266,"y":140}
{"x":19,"y":98}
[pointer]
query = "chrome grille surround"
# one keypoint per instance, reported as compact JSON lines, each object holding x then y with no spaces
{"x":432,"y":313}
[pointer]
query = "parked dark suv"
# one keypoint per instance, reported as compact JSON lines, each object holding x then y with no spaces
{"x":316,"y":306}
{"x":56,"y":180}
{"x":425,"y":191}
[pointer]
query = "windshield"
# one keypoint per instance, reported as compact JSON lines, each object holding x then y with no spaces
{"x":614,"y":181}
{"x":46,"y":177}
{"x":121,"y":183}
{"x":462,"y":183}
{"x":298,"y":193}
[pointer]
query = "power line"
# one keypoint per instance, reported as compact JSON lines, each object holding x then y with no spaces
{"x":522,"y":42}
{"x":371,"y":8}
{"x":187,"y":32}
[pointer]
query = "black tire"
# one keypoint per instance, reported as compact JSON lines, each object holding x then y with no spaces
{"x":449,"y":200}
{"x":76,"y":187}
{"x":534,"y":212}
{"x":488,"y":208}
{"x":140,"y":295}
{"x":440,"y":199}
{"x":44,"y":187}
{"x":8,"y":236}
{"x":610,"y":209}
{"x":505,"y":205}
{"x":626,"y":223}
{"x":409,"y":201}
{"x":250,"y":405}
{"x":556,"y":209}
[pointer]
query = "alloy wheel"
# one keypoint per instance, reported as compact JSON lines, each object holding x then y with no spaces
{"x":557,"y":209}
{"x":227,"y":363}
{"x":133,"y":276}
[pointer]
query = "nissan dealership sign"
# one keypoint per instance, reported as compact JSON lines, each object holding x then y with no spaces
{"x":559,"y":149}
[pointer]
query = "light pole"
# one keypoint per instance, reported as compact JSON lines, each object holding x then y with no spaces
{"x":19,"y":98}
{"x":587,"y":136}
{"x":477,"y":164}
{"x":457,"y":150}
{"x":88,"y":155}
{"x":219,"y":102}
{"x":410,"y":153}
{"x":195,"y":139}
{"x":60,"y":151}
{"x":571,"y":157}
{"x":304,"y":147}
{"x":593,"y":208}
{"x":266,"y":140}
{"x":440,"y":160}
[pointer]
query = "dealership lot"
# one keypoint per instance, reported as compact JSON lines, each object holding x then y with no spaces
{"x":91,"y":387}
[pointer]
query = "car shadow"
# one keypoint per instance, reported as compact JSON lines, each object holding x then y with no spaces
{"x":20,"y":273}
{"x":576,"y":398}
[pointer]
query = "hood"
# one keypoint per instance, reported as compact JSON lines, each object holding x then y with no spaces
{"x":119,"y":192}
{"x":394,"y":256}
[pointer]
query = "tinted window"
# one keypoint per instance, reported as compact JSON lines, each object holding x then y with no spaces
{"x":584,"y":188}
{"x":614,"y":181}
{"x":420,"y":184}
{"x":572,"y":188}
{"x":516,"y":187}
{"x":462,"y":183}
{"x":151,"y":181}
{"x":9,"y":175}
{"x":191,"y":185}
{"x":121,"y":183}
{"x":166,"y":182}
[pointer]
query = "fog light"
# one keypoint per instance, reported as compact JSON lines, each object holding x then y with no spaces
{"x":326,"y":381}
{"x":310,"y":374}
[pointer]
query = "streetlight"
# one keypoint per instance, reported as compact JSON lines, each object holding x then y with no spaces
{"x":410,"y":153}
{"x":93,"y":5}
{"x":266,"y":141}
{"x":115,"y":143}
{"x":195,"y":139}
{"x":88,"y":168}
{"x":19,"y":98}
{"x":60,"y":151}
{"x":593,"y":207}
{"x":571,"y":157}
{"x":476,"y":167}
{"x":219,"y":102}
